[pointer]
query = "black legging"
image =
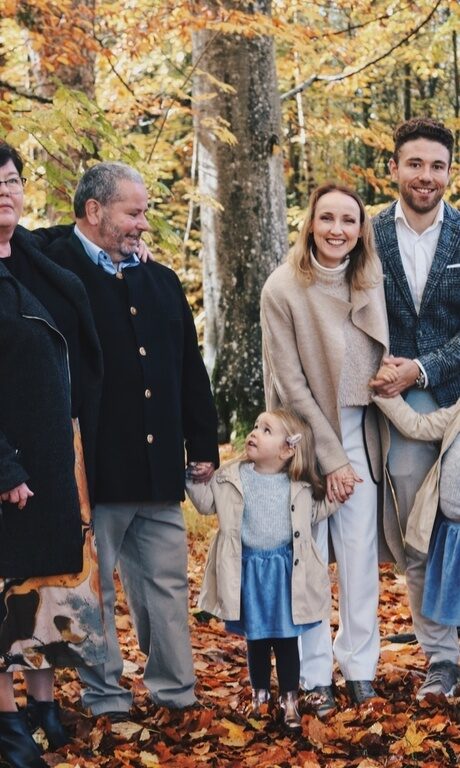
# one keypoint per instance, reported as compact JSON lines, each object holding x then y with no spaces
{"x":286,"y":652}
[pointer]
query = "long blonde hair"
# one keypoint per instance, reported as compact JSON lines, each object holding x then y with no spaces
{"x":363,"y":270}
{"x":303,"y":464}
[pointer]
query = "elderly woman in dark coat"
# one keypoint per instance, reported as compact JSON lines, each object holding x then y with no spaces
{"x":49,"y":599}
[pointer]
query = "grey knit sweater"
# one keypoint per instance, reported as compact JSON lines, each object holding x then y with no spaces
{"x":266,"y":513}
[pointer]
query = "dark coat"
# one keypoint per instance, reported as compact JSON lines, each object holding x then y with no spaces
{"x":171,"y":401}
{"x":433,"y":334}
{"x":36,"y":437}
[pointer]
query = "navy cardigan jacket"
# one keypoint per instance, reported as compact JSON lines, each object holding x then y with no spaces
{"x":169,"y":405}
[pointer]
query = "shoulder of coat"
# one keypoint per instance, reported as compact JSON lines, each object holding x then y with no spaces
{"x":228,"y":472}
{"x":279,"y":275}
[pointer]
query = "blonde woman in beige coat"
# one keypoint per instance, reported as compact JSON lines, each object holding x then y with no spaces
{"x":324,"y":329}
{"x":264,"y":574}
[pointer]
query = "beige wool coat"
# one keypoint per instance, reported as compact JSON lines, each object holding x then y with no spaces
{"x":443,"y":424}
{"x":220,"y":592}
{"x":303,"y":357}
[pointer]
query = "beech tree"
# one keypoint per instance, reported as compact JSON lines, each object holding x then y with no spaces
{"x":243,"y":217}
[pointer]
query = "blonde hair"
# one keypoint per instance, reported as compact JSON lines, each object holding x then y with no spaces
{"x":362,"y":271}
{"x":303,"y":464}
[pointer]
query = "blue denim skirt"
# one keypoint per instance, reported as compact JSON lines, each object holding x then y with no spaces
{"x":441,"y":594}
{"x":266,"y":595}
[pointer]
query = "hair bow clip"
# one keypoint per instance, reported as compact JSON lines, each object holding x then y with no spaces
{"x":293,"y":440}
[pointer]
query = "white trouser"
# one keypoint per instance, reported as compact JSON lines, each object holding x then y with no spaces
{"x":353,"y":531}
{"x":148,"y":543}
{"x":408,"y":463}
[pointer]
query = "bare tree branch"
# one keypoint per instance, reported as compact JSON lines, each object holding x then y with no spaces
{"x":354,"y":27}
{"x":25,"y":94}
{"x":343,"y":75}
{"x":188,"y":77}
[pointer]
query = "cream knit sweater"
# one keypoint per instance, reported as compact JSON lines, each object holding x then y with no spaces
{"x":363,"y":355}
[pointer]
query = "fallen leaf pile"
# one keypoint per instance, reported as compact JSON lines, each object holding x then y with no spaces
{"x":393,"y":731}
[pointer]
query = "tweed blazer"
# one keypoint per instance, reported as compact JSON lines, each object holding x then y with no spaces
{"x":443,"y":424}
{"x":221,"y":589}
{"x":432,"y":335}
{"x":303,"y":356}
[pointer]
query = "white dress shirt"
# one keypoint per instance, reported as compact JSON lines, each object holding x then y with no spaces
{"x":417,"y":254}
{"x":417,"y":251}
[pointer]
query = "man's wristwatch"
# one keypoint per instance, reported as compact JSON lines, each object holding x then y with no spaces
{"x":420,"y":381}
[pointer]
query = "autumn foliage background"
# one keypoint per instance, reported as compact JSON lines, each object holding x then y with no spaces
{"x":89,"y":80}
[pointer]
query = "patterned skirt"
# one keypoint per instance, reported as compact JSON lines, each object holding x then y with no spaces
{"x":55,"y":621}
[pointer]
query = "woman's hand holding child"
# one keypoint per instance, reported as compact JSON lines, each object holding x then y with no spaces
{"x":340,"y":484}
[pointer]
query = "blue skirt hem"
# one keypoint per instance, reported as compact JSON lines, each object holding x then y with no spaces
{"x":266,"y":596}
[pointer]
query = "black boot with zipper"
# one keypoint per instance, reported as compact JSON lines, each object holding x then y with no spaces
{"x":45,"y":715}
{"x":17,"y":746}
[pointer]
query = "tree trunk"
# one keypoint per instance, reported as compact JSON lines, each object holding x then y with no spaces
{"x":456,"y":95}
{"x":407,"y":92}
{"x":245,"y":236}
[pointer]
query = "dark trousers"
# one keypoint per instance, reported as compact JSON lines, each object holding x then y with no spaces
{"x":287,"y":660}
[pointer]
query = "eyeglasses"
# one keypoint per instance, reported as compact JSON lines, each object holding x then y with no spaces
{"x":14,"y":185}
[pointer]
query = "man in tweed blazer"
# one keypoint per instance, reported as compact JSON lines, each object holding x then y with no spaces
{"x":418,"y":241}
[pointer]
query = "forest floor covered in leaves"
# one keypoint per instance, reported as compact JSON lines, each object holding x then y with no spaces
{"x":394,"y":731}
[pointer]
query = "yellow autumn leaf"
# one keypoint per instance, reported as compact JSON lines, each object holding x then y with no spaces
{"x":258,"y":725}
{"x":414,"y":738}
{"x":126,"y":729}
{"x":376,"y":728}
{"x":237,"y":736}
{"x":64,"y":765}
{"x":149,"y":760}
{"x":411,"y":742}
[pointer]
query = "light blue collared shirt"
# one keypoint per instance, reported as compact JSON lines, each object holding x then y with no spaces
{"x":99,"y":257}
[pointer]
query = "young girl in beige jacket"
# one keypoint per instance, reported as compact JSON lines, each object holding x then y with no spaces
{"x":433,"y":526}
{"x":434,"y":522}
{"x":264,"y":574}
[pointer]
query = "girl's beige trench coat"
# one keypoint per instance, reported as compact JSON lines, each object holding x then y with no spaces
{"x":443,"y":424}
{"x":220,"y":592}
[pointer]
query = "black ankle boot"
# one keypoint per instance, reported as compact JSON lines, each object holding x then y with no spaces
{"x":16,"y":743}
{"x":45,"y":714}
